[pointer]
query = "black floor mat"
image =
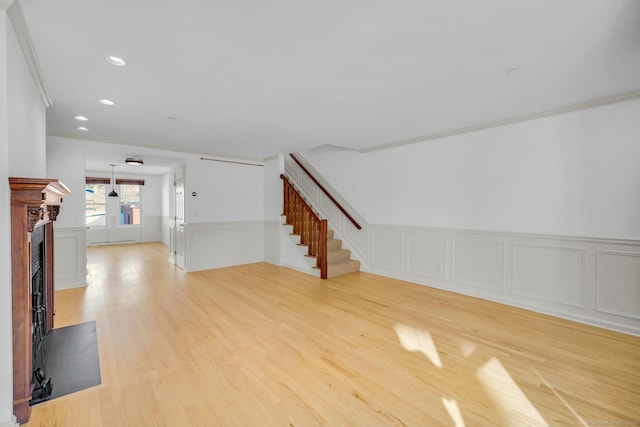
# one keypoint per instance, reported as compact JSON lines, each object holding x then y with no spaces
{"x":71,"y":358}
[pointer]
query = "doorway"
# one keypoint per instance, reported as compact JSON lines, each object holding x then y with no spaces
{"x":179,"y":228}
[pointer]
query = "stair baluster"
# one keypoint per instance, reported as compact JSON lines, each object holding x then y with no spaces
{"x":311,"y":229}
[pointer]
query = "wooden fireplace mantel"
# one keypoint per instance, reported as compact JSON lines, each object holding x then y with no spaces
{"x":34,"y":202}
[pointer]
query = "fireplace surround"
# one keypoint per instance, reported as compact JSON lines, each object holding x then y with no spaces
{"x":35,"y":204}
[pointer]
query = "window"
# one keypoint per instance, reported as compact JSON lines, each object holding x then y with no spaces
{"x":130,"y":201}
{"x":95,"y":206}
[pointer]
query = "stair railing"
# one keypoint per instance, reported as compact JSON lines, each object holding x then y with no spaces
{"x":324,"y":190}
{"x":306,"y":223}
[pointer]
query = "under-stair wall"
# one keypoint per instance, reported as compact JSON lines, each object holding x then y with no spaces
{"x":354,"y":239}
{"x":310,"y":233}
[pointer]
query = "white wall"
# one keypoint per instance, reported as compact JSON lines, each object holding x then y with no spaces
{"x":573,"y":174}
{"x":27,"y":121}
{"x":151,"y":199}
{"x":227,"y":195}
{"x":272,"y":193}
{"x":6,"y":367}
{"x":541,"y":215}
{"x":22,"y":153}
{"x":225,"y":219}
{"x":66,"y":162}
{"x":166,"y":185}
{"x":224,"y":191}
{"x":66,"y":159}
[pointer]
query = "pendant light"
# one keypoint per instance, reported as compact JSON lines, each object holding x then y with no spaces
{"x":113,"y":181}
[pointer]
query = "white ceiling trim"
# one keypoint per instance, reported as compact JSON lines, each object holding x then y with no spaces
{"x":24,"y":38}
{"x":553,"y":112}
{"x":251,"y":161}
{"x":5,"y":4}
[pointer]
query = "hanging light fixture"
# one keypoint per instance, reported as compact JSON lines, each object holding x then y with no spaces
{"x":113,"y":181}
{"x":135,"y":161}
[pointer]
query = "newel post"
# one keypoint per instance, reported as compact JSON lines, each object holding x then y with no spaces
{"x":322,"y":249}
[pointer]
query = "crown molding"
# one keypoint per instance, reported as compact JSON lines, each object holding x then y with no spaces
{"x":554,"y":112}
{"x":5,"y":4}
{"x":24,"y":39}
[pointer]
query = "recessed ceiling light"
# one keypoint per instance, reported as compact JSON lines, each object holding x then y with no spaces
{"x":107,"y":102}
{"x":513,"y":71}
{"x":114,"y":60}
{"x":82,"y":129}
{"x":81,"y":118}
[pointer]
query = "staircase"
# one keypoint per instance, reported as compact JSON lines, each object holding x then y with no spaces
{"x":339,"y":260}
{"x":324,"y":252}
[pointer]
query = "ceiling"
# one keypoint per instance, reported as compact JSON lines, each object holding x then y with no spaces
{"x":251,"y":79}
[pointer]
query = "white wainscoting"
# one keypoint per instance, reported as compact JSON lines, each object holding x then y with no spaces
{"x":553,"y":274}
{"x":166,"y":231}
{"x":70,"y":257}
{"x":590,"y":280}
{"x":152,"y":228}
{"x":10,"y":423}
{"x":272,"y":242}
{"x":618,"y":282}
{"x":149,"y":231}
{"x":223,"y":244}
{"x":478,"y":262}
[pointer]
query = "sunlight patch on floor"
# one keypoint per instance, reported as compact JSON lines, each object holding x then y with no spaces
{"x":454,"y":411}
{"x":467,"y":347}
{"x":564,"y":402}
{"x":416,"y":340}
{"x":509,"y":400}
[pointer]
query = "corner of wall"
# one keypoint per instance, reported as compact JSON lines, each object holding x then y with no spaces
{"x":12,"y":422}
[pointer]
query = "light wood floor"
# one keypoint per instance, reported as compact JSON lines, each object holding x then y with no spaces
{"x":259,"y":345}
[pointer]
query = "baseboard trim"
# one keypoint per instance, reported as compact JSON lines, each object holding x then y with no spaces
{"x":271,"y":259}
{"x":590,"y":280}
{"x":61,"y":284}
{"x":301,"y":270}
{"x":223,"y":244}
{"x":10,"y":423}
{"x":467,"y":291}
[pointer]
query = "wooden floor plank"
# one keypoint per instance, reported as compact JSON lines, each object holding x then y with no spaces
{"x":268,"y":346}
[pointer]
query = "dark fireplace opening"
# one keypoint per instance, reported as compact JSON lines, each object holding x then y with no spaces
{"x":42,"y":384}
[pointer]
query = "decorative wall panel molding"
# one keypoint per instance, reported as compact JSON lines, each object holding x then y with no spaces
{"x":272,"y":242}
{"x":589,"y":280}
{"x":618,"y":283}
{"x":71,"y":259}
{"x":223,"y":244}
{"x":478,"y":262}
{"x":550,"y":273}
{"x":427,"y":254}
{"x":388,"y":247}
